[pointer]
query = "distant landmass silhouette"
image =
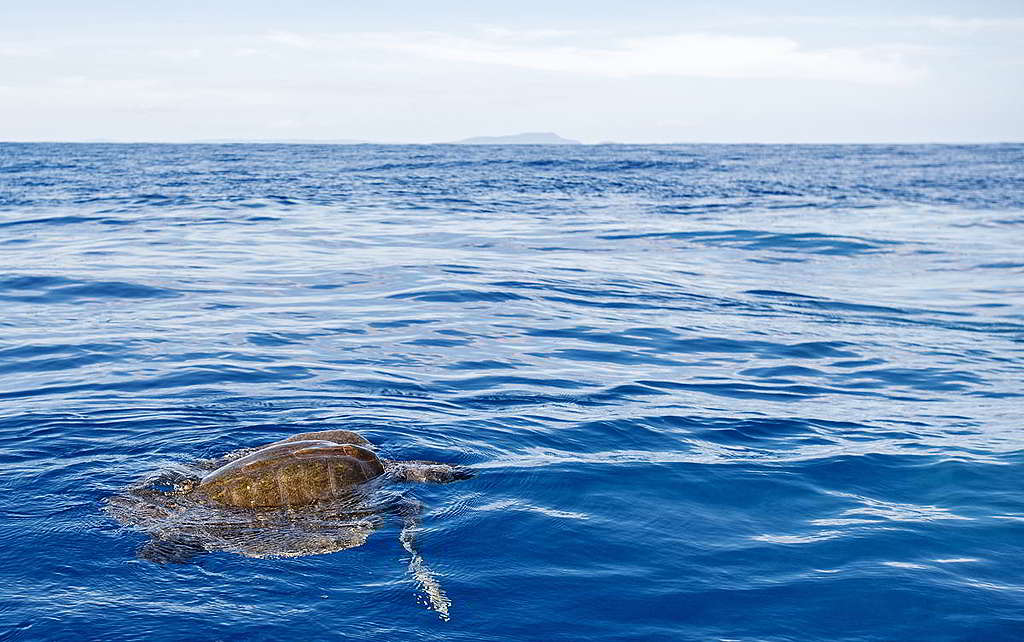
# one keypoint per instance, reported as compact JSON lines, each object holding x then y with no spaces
{"x":528,"y":138}
{"x":282,"y":141}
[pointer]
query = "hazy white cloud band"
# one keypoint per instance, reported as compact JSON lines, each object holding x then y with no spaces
{"x":944,"y":24}
{"x":686,"y":54}
{"x":822,"y":79}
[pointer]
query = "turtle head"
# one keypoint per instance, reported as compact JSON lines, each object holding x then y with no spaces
{"x":428,"y":471}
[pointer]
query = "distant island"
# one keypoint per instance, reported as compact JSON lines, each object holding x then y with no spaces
{"x":529,"y":138}
{"x":281,"y":141}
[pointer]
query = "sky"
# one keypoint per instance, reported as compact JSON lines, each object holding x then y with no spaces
{"x":655,"y":71}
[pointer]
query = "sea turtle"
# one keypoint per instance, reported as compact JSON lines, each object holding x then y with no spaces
{"x":310,"y":467}
{"x":311,"y":493}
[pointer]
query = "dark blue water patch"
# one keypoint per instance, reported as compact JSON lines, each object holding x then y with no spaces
{"x":401,"y":323}
{"x":10,"y":366}
{"x":487,"y":364}
{"x":1002,"y":265}
{"x":459,"y":296}
{"x":934,"y":379}
{"x":32,"y":282}
{"x":621,"y":357}
{"x":591,"y":303}
{"x":62,"y":220}
{"x":825,"y":304}
{"x":459,"y":269}
{"x":109,"y":289}
{"x":760,"y":431}
{"x":666,"y":342}
{"x":190,"y":377}
{"x":492,"y":381}
{"x":777,"y":392}
{"x":126,"y":203}
{"x":81,"y":292}
{"x":34,"y":166}
{"x":276,"y":338}
{"x":23,"y":351}
{"x":657,"y":291}
{"x":931,"y":379}
{"x":805,"y":243}
{"x":388,"y":388}
{"x":781,"y":371}
{"x":776,"y":293}
{"x":500,"y":401}
{"x":439,"y":343}
{"x":1009,"y":221}
{"x":622,"y":393}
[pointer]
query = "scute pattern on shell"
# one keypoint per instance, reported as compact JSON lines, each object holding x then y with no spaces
{"x":291,"y":473}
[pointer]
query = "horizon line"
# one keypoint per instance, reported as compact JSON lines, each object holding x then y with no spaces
{"x":329,"y":142}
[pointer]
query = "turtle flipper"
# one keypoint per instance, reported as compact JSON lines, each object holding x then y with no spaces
{"x":427,"y":471}
{"x":436,"y":598}
{"x":179,"y":550}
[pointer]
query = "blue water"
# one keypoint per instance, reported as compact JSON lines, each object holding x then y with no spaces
{"x":709,"y":392}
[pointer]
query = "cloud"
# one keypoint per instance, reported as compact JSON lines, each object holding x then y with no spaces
{"x":295,"y":40}
{"x":686,"y":54}
{"x":179,"y":55}
{"x":22,"y":51}
{"x":525,"y":34}
{"x":944,"y":24}
{"x":968,"y":26}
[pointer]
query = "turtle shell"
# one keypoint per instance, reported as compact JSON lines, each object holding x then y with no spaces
{"x":337,"y":436}
{"x":291,"y":473}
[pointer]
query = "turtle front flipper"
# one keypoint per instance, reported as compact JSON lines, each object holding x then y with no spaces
{"x":427,"y":471}
{"x":177,"y":550}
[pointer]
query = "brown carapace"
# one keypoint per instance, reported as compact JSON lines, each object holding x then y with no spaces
{"x":308,"y":468}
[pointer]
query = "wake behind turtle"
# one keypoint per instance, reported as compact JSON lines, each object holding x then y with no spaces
{"x":310,"y":494}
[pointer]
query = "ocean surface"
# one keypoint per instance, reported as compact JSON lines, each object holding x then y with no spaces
{"x":708,"y":392}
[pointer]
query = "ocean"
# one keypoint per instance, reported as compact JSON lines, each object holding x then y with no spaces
{"x":707,"y":392}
